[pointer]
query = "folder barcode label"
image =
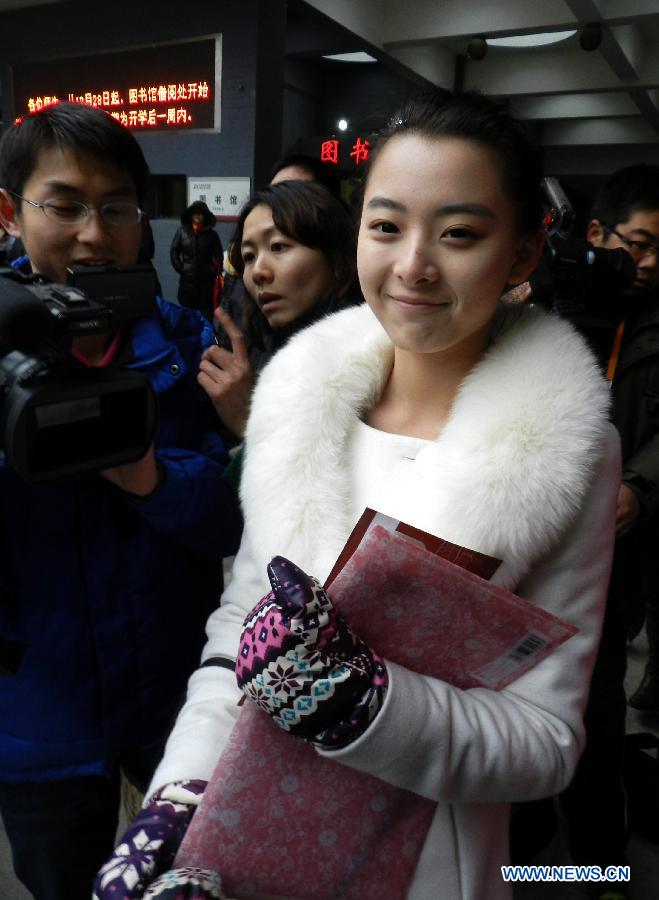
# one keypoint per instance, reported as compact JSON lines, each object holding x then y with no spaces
{"x":507,"y":664}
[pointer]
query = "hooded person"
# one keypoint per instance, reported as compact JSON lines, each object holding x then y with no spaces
{"x":196,"y":254}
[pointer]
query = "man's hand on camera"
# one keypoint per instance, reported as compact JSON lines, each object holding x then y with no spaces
{"x":628,"y":510}
{"x":139,"y":478}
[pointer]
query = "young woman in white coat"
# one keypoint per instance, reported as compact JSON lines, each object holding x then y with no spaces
{"x":482,"y":424}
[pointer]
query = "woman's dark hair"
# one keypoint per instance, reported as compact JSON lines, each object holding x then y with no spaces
{"x":476,"y":118}
{"x":80,"y":129}
{"x":311,"y":215}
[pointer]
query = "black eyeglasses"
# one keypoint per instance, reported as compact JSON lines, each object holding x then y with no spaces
{"x":71,"y":212}
{"x":636,"y":248}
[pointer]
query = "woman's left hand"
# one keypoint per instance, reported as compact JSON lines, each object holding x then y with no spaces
{"x":150,"y":843}
{"x":300,"y":662}
{"x":186,"y":883}
{"x":227,"y":376}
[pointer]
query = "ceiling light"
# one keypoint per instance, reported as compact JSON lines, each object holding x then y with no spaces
{"x":358,"y":57}
{"x":531,"y":40}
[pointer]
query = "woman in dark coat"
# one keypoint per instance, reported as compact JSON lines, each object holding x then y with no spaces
{"x":196,"y":254}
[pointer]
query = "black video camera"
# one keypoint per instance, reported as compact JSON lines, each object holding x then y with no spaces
{"x":581,"y":282}
{"x":59,"y":418}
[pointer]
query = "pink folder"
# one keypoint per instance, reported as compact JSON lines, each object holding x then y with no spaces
{"x":279,"y":821}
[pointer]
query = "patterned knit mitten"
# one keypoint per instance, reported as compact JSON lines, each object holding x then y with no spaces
{"x":186,"y":883}
{"x":150,"y":843}
{"x":300,"y":662}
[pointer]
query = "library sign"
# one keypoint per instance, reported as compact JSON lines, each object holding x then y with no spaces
{"x":157,"y":88}
{"x":223,"y":196}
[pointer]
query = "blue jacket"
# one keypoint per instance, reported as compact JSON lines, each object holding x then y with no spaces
{"x":111,"y":593}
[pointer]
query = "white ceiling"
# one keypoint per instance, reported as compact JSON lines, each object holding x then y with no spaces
{"x":597,"y":109}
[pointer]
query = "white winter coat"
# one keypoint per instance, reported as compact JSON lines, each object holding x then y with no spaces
{"x":526,"y":469}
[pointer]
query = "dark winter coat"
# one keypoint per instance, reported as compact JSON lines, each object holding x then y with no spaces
{"x":11,"y":249}
{"x":196,"y":256}
{"x":111,"y":593}
{"x":636,"y":404}
{"x":635,"y":414}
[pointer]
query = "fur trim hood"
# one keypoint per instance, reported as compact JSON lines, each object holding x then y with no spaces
{"x":506,"y":476}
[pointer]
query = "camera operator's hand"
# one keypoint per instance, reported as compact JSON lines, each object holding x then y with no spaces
{"x":228,"y":377}
{"x":628,"y":510}
{"x":139,"y":478}
{"x":302,"y":665}
{"x":149,"y":845}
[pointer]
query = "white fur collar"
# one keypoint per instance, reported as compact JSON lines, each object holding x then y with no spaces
{"x":506,"y":476}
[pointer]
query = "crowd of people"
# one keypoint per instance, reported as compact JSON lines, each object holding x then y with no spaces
{"x":355,"y":359}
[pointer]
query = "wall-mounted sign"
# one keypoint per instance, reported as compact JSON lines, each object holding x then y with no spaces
{"x":157,"y":88}
{"x":334,"y":151}
{"x":223,"y":196}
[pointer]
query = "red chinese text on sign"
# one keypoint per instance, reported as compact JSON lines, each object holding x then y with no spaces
{"x":329,"y":152}
{"x":360,"y":151}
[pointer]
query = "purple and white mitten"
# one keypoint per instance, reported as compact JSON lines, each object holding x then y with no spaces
{"x":300,"y":662}
{"x":150,"y":843}
{"x":186,"y":883}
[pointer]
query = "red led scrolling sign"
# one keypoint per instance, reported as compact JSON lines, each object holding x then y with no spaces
{"x":159,"y":88}
{"x":149,"y":106}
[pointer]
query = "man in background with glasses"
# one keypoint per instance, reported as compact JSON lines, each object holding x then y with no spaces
{"x":625,"y":213}
{"x":107,"y":578}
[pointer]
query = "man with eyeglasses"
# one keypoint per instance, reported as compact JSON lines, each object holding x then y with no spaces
{"x":625,"y":213}
{"x":107,"y":578}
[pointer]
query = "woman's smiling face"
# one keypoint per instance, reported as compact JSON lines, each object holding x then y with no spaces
{"x":438,"y":241}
